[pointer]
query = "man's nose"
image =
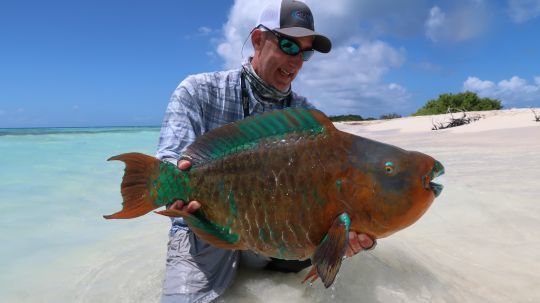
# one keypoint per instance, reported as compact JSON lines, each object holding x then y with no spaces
{"x":296,"y":60}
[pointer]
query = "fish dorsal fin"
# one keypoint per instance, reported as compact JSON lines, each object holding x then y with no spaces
{"x":246,"y":134}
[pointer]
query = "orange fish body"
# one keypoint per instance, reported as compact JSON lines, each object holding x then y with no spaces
{"x":287,"y":184}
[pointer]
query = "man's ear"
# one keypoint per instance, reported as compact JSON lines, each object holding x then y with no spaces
{"x":257,"y":39}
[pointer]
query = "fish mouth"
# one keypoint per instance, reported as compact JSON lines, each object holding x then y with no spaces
{"x":437,"y":170}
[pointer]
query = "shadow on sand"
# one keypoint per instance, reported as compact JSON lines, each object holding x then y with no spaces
{"x":388,"y":274}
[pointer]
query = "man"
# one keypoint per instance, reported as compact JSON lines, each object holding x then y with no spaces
{"x":282,"y":40}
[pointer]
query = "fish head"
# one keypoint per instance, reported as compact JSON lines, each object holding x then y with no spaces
{"x":395,"y":186}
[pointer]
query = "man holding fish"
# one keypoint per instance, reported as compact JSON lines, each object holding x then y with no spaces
{"x":283,"y":39}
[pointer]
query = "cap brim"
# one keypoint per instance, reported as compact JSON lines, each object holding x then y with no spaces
{"x":320,"y":42}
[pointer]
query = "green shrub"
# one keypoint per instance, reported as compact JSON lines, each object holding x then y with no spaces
{"x":467,"y":101}
{"x":389,"y":116}
{"x":347,"y":118}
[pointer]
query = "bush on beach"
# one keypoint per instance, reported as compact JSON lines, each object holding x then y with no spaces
{"x":467,"y":101}
{"x":389,"y":116}
{"x":341,"y":118}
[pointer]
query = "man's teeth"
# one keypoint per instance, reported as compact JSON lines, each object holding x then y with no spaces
{"x":284,"y":72}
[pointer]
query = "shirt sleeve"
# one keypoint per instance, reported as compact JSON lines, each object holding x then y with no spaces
{"x":182,"y":122}
{"x":301,"y":101}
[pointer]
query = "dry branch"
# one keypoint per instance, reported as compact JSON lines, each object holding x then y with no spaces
{"x":536,"y":116}
{"x":464,"y":119}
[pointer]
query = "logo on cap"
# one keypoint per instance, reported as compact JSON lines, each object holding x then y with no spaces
{"x":303,"y":16}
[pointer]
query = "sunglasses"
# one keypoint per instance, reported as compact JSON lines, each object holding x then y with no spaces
{"x":290,"y":46}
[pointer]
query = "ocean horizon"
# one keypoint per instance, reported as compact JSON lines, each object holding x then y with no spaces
{"x":6,"y":131}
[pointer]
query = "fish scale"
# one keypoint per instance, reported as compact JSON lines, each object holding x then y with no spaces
{"x":272,"y":187}
{"x":286,"y":184}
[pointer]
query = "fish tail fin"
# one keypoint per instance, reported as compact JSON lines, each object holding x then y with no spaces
{"x":148,"y":183}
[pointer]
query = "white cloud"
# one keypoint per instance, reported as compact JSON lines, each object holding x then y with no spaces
{"x":350,"y":79}
{"x":523,"y":10}
{"x":370,"y":18}
{"x":475,"y":84}
{"x":241,"y":20}
{"x":512,"y":91}
{"x":204,"y":30}
{"x":354,"y":73}
{"x":462,"y":21}
{"x":341,"y":20}
{"x":435,"y":22}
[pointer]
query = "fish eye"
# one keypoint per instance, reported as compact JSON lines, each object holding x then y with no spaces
{"x":389,"y":167}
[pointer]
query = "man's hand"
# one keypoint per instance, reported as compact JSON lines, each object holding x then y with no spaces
{"x":357,"y":242}
{"x":192,"y":206}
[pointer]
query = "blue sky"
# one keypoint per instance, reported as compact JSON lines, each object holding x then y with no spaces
{"x":108,"y":63}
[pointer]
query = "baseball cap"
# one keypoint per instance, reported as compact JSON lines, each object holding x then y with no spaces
{"x":293,"y":18}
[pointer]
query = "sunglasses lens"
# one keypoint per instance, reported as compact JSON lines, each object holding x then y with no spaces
{"x":307,"y":54}
{"x":292,"y":48}
{"x":289,"y":47}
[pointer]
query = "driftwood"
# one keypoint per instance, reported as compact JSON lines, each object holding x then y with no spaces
{"x":536,"y":116}
{"x":464,"y":119}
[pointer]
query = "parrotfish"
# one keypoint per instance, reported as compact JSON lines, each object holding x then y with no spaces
{"x":286,"y":184}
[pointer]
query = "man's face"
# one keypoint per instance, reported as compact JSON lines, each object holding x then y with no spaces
{"x":272,"y":64}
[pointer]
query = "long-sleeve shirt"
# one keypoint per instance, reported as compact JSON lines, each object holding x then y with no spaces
{"x":203,"y":102}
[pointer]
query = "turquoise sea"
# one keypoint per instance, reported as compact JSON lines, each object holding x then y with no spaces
{"x":55,"y":246}
{"x":55,"y":185}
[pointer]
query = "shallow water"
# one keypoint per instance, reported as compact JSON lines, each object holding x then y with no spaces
{"x":478,"y":243}
{"x":55,"y":185}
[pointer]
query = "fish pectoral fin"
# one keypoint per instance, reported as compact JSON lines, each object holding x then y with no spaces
{"x":328,"y":255}
{"x":173,"y":213}
{"x":214,"y":234}
{"x":221,"y":240}
{"x":312,"y":275}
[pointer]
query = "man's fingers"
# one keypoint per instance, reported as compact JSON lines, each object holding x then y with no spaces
{"x":177,"y":205}
{"x":184,"y":164}
{"x":354,"y":242}
{"x":366,"y":242}
{"x":190,"y":207}
{"x":193,"y":206}
{"x":358,"y":243}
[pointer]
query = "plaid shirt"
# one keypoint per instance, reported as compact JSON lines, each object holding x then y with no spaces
{"x":203,"y":102}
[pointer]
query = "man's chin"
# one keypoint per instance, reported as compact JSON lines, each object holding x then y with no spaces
{"x":282,"y":86}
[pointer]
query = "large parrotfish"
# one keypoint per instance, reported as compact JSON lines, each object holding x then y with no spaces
{"x":286,"y":184}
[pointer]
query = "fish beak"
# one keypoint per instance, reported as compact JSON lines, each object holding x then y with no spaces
{"x":437,"y":170}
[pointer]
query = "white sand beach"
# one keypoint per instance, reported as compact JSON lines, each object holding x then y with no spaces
{"x":479,"y":242}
